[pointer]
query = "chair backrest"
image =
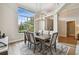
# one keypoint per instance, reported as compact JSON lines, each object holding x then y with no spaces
{"x":27,"y":36}
{"x":49,"y":32}
{"x":53,"y":38}
{"x":32,"y":39}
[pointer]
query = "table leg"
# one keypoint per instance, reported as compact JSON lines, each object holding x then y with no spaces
{"x":41,"y":46}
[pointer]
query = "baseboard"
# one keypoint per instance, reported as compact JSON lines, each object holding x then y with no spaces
{"x":16,"y":41}
{"x":62,"y":36}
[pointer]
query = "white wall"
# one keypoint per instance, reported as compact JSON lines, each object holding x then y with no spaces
{"x":62,"y":28}
{"x":55,"y":23}
{"x":77,"y":20}
{"x":0,"y":17}
{"x":77,"y":26}
{"x":9,"y":21}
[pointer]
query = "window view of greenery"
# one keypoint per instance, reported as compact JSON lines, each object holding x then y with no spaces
{"x":25,"y":20}
{"x":26,"y":24}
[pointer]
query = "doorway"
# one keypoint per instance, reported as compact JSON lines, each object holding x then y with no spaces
{"x":67,"y":32}
{"x":71,"y":29}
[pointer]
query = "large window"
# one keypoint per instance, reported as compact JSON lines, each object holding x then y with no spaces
{"x":25,"y":20}
{"x":26,"y":23}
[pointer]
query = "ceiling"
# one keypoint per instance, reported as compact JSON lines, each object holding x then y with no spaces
{"x":70,"y":10}
{"x":24,"y":13}
{"x":38,"y":7}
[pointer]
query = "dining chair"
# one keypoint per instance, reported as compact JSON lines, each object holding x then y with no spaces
{"x":49,"y":32}
{"x":27,"y":38}
{"x":33,"y":41}
{"x":52,"y":42}
{"x":49,"y":36}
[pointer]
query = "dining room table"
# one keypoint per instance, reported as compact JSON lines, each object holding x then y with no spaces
{"x":42,"y":38}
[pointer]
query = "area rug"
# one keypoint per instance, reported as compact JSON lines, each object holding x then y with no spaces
{"x":77,"y":48}
{"x":61,"y":50}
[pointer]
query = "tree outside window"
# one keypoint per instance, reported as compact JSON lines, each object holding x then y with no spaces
{"x":26,"y":23}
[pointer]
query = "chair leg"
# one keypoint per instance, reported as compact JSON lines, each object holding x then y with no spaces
{"x":51,"y":50}
{"x":44,"y":50}
{"x":55,"y":47}
{"x":30,"y":45}
{"x":25,"y":41}
{"x":34,"y":48}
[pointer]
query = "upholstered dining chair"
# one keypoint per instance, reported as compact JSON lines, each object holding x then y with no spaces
{"x":27,"y":38}
{"x":33,"y":41}
{"x":52,"y":42}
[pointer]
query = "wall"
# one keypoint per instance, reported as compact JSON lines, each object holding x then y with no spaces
{"x":77,"y":23}
{"x":62,"y":27}
{"x":0,"y":17}
{"x":77,"y":30}
{"x":55,"y":19}
{"x":77,"y":26}
{"x":36,"y":26}
{"x":9,"y":22}
{"x":42,"y":25}
{"x":39,"y":25}
{"x":55,"y":23}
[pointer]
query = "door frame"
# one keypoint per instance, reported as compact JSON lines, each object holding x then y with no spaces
{"x":67,"y":27}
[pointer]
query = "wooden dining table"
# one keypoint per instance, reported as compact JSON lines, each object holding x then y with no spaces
{"x":42,"y":39}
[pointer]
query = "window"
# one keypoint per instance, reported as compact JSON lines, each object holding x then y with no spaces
{"x":26,"y":23}
{"x":25,"y":20}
